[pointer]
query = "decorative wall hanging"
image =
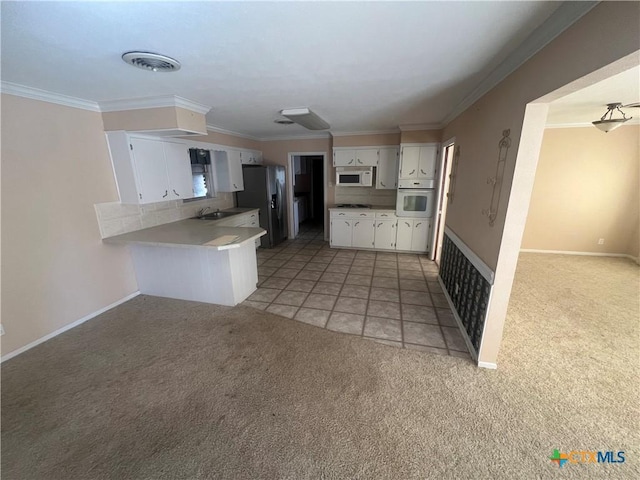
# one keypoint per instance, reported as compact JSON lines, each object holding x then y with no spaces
{"x":496,"y":181}
{"x":454,"y":173}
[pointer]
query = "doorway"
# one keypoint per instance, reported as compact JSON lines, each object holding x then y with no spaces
{"x":445,"y":196}
{"x":308,"y":193}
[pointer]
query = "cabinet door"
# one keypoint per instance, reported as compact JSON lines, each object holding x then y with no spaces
{"x":245,"y":157}
{"x":151,"y":170}
{"x":387,"y":171}
{"x":178,"y":170}
{"x":404,"y":234}
{"x":341,"y":233}
{"x":409,"y":162}
{"x":367,"y":157}
{"x":420,"y":237}
{"x":363,"y":234}
{"x":236,"y":182}
{"x":386,"y":234}
{"x":428,"y":160}
{"x":344,"y":158}
{"x":257,"y":158}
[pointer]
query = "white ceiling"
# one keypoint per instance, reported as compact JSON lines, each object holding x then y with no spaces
{"x":590,"y":103}
{"x":362,"y":66}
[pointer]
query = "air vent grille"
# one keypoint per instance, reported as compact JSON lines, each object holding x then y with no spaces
{"x":151,"y":61}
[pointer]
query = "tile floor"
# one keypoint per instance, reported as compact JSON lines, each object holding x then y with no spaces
{"x":390,"y":298}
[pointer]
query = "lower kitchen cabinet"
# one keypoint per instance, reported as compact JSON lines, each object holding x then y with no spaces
{"x":363,"y":233}
{"x":385,"y":234}
{"x":341,"y":232}
{"x":413,"y":234}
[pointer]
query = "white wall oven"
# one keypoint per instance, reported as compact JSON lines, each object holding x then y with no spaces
{"x":415,"y":202}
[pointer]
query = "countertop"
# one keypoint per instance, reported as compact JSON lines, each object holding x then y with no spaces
{"x":373,"y":209}
{"x":191,"y":233}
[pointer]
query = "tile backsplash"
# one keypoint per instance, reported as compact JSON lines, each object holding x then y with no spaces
{"x":115,"y":218}
{"x":366,"y":195}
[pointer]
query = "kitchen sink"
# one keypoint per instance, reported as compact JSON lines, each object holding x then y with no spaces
{"x":215,"y":215}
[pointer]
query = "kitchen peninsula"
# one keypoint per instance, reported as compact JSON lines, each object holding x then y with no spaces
{"x":195,"y":259}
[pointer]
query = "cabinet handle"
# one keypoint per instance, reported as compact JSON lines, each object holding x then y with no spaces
{"x":359,"y":161}
{"x":165,"y":194}
{"x":412,"y":171}
{"x":363,"y":214}
{"x":423,"y":172}
{"x":235,"y":186}
{"x":350,"y":161}
{"x":381,"y":183}
{"x":418,"y":224}
{"x":380,"y":224}
{"x":384,"y":215}
{"x":407,"y":224}
{"x":347,"y":223}
{"x":356,"y":224}
{"x":341,"y":214}
{"x":174,"y":191}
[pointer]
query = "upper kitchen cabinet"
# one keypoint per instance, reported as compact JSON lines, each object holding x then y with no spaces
{"x":418,"y":161}
{"x":149,"y":170}
{"x":228,"y":165}
{"x":360,"y":157}
{"x":387,"y":172}
{"x":248,"y":157}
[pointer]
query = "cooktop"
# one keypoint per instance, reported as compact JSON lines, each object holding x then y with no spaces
{"x":353,"y":205}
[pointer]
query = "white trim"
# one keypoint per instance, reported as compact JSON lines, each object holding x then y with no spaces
{"x":45,"y":96}
{"x":421,"y":126}
{"x":482,"y":267}
{"x":213,"y":128}
{"x":566,"y":15}
{"x":69,"y":326}
{"x":419,"y":144}
{"x":370,"y":132}
{"x":488,"y":365}
{"x":153,"y":102}
{"x":571,"y":252}
{"x":463,"y":331}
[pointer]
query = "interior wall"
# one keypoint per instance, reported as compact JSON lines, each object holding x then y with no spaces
{"x":377,"y":139}
{"x":586,"y":188}
{"x":422,"y":136}
{"x":606,"y":34}
{"x":55,"y":268}
{"x":276,"y":152}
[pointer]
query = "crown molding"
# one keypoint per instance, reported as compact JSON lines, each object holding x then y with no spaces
{"x":566,"y":15}
{"x":46,"y":96}
{"x":153,"y":102}
{"x":368,"y":132}
{"x":421,"y":126}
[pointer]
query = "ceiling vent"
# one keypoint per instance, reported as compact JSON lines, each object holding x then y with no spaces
{"x":284,"y":122}
{"x":151,"y":61}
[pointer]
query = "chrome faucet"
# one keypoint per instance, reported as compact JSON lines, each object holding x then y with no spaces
{"x":202,"y":210}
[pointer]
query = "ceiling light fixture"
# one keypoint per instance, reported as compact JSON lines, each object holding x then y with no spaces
{"x":151,"y":61}
{"x":608,"y":124}
{"x":305,"y":117}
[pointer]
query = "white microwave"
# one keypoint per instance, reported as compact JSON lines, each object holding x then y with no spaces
{"x":354,"y":176}
{"x":415,"y":203}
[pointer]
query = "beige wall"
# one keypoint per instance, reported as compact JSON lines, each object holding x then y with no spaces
{"x":276,"y":152}
{"x":367,"y":140}
{"x":607,"y":34}
{"x":162,"y":118}
{"x":421,"y":136}
{"x":55,"y":269}
{"x":586,"y":188}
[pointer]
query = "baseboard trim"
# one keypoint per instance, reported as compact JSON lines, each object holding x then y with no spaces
{"x":69,"y":326}
{"x":571,"y":252}
{"x":489,"y":365}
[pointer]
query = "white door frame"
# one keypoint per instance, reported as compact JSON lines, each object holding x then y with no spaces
{"x":438,"y":233}
{"x":325,"y":174}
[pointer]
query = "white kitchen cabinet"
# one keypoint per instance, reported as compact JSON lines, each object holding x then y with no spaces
{"x":149,"y":170}
{"x":228,"y":167}
{"x":387,"y":171}
{"x":413,"y":234}
{"x":341,"y":232}
{"x":418,"y":162}
{"x":385,"y":234}
{"x":248,"y":157}
{"x":363,"y":233}
{"x":360,"y":157}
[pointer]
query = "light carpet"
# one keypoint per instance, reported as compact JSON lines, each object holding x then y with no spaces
{"x":160,"y":388}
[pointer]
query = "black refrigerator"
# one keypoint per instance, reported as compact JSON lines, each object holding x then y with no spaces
{"x":264,"y":188}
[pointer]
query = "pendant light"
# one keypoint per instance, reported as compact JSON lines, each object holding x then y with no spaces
{"x":607,"y":124}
